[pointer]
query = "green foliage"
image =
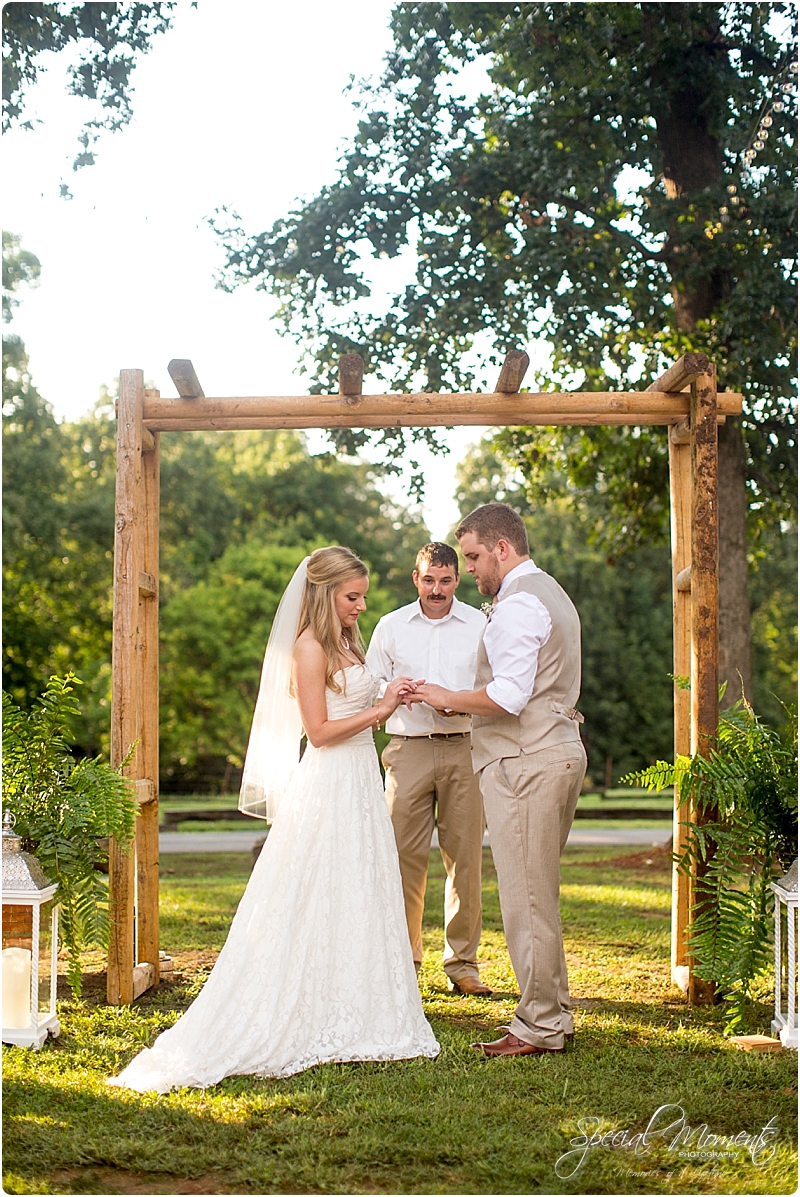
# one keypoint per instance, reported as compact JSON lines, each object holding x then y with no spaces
{"x":235,"y":506}
{"x":62,"y":808}
{"x":773,"y":603}
{"x":107,"y":37}
{"x":58,"y":539}
{"x":19,"y":266}
{"x":224,"y":489}
{"x":576,"y":200}
{"x":744,"y":796}
{"x":213,"y":638}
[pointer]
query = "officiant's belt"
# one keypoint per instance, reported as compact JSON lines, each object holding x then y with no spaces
{"x":434,"y":736}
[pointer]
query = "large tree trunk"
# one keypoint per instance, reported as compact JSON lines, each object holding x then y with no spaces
{"x":691,"y":162}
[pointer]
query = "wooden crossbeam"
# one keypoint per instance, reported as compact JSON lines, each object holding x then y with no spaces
{"x":423,"y":410}
{"x":681,"y":374}
{"x":181,"y":371}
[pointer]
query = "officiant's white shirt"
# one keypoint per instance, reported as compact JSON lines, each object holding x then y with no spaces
{"x":518,"y":628}
{"x":443,"y":651}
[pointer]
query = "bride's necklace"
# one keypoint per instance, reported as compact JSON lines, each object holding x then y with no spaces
{"x":344,"y":644}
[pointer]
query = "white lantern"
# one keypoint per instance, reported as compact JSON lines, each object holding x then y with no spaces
{"x":785,"y":1021}
{"x":30,"y":946}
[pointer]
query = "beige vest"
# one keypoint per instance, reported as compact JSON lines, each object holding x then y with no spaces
{"x":550,"y":717}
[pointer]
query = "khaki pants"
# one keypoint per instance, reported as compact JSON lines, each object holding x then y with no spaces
{"x":530,"y":803}
{"x":431,"y":781}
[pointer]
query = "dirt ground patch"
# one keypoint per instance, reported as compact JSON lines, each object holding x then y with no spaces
{"x":117,"y":1180}
{"x":655,"y":859}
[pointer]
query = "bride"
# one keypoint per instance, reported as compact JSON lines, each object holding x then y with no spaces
{"x":317,"y":966}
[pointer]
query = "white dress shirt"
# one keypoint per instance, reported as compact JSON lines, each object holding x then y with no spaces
{"x":517,"y":629}
{"x":444,"y":651}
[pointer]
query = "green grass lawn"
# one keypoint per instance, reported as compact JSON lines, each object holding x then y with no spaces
{"x":458,"y":1124}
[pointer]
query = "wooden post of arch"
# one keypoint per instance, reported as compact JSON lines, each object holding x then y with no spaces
{"x":705,"y":594}
{"x":694,"y":533}
{"x":680,"y":477}
{"x":133,"y":949}
{"x":147,"y":937}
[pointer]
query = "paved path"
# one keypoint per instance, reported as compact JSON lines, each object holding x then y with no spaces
{"x":243,"y":841}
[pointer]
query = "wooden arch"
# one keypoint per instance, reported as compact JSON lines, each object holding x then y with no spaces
{"x":684,"y":399}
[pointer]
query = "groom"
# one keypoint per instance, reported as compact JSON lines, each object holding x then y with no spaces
{"x":527,"y":751}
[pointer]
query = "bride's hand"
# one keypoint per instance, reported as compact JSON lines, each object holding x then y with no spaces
{"x":397,"y":692}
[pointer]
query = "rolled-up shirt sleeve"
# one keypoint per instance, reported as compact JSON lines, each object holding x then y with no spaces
{"x":518,"y":628}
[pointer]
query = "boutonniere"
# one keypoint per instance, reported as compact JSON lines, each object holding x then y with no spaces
{"x":487,"y":609}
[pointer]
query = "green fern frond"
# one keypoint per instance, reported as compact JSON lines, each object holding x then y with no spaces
{"x":63,"y":808}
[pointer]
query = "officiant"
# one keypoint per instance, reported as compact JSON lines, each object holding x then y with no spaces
{"x":429,"y":775}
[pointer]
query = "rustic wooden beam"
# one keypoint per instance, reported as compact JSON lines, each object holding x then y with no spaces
{"x":147,"y":932}
{"x":512,"y":372}
{"x":680,"y":495}
{"x":124,"y":696}
{"x":181,"y":371}
{"x":144,"y":975}
{"x":351,"y":374}
{"x":704,"y":598}
{"x":681,"y":374}
{"x":422,"y":410}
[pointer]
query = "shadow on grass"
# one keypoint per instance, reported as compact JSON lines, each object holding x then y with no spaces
{"x":461,"y":1123}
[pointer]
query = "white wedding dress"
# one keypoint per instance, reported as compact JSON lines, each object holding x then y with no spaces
{"x":317,"y":966}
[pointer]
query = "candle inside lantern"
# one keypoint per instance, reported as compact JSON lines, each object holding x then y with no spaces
{"x":16,"y":987}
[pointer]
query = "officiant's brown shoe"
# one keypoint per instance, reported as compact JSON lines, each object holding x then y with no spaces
{"x":510,"y":1045}
{"x":470,"y":986}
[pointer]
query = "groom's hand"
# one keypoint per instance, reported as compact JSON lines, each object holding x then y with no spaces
{"x":435,"y":696}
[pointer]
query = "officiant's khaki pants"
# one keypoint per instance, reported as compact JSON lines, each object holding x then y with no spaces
{"x":530,"y":803}
{"x":431,"y":781}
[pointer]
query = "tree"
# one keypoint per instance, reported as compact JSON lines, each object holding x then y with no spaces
{"x":626,"y":190}
{"x":238,"y":512}
{"x":213,"y":640}
{"x":19,"y":266}
{"x":104,"y":39}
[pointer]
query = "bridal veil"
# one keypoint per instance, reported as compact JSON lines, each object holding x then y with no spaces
{"x":273,"y":750}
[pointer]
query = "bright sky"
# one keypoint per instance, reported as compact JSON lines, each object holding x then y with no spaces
{"x":255,"y":122}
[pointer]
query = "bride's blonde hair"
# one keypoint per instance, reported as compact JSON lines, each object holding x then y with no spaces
{"x":327,"y":570}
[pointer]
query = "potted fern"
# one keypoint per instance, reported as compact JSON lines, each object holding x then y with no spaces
{"x":744,"y":796}
{"x":63,"y":807}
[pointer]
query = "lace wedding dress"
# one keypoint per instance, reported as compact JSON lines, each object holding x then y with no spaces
{"x":317,"y":966}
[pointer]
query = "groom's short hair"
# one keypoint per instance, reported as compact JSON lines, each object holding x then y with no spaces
{"x":491,"y":521}
{"x":437,"y":553}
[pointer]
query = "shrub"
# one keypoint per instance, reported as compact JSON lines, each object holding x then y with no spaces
{"x":744,"y":795}
{"x":62,"y":808}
